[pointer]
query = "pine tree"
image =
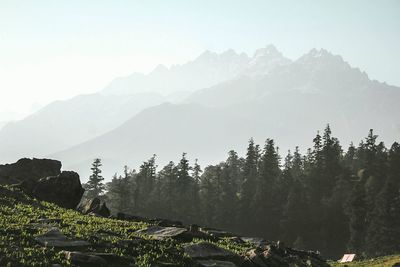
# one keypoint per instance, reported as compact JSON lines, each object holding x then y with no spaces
{"x":114,"y":194}
{"x":250,"y":173}
{"x":196,"y":178}
{"x":357,"y":218}
{"x":295,"y":214}
{"x":384,"y":229}
{"x":119,"y":195}
{"x":168,"y":178}
{"x":144,"y":183}
{"x":185,"y":189}
{"x":95,"y":186}
{"x":227,"y":198}
{"x":197,"y":171}
{"x":234,"y":164}
{"x":266,"y":202}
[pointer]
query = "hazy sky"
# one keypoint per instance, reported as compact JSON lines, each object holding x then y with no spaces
{"x":57,"y":49}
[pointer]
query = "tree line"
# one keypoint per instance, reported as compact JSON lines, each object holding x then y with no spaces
{"x":328,"y":199}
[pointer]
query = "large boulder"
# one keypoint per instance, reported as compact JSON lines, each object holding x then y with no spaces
{"x":65,"y":189}
{"x":209,"y":251}
{"x":177,"y":233}
{"x":93,"y":259}
{"x":28,"y":169}
{"x":277,"y":255}
{"x":94,"y":206}
{"x":54,"y":238}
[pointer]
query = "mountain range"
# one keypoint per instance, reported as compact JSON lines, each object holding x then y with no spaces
{"x":207,"y":107}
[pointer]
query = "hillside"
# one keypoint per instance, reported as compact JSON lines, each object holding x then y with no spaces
{"x":37,"y":233}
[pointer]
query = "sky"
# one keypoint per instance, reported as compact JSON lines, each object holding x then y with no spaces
{"x":52,"y":50}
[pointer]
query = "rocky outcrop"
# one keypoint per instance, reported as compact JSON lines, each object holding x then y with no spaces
{"x":206,"y":250}
{"x":177,"y":233}
{"x":43,"y":179}
{"x":94,"y":206}
{"x":277,"y":255}
{"x":55,"y":239}
{"x":92,"y":259}
{"x":28,"y":169}
{"x":65,"y":189}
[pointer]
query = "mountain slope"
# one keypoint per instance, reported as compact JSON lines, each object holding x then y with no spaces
{"x":166,"y":130}
{"x":65,"y":123}
{"x":265,"y":96}
{"x":290,"y":103}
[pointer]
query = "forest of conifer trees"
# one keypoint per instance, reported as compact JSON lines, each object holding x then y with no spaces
{"x":330,"y":199}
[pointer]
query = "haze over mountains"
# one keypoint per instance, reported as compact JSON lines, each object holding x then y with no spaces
{"x":205,"y":108}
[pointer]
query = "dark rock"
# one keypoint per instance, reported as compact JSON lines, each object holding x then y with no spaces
{"x":95,"y":259}
{"x":166,"y":223}
{"x":256,"y":241}
{"x":103,"y":210}
{"x":177,"y":233}
{"x":255,"y":258}
{"x":94,"y":207}
{"x":215,"y":263}
{"x":89,"y":205}
{"x":54,"y":238}
{"x":277,"y":255}
{"x":28,"y":170}
{"x":160,"y":233}
{"x":130,"y":243}
{"x":129,"y":217}
{"x":85,"y":260}
{"x":65,"y":189}
{"x":208,"y":251}
{"x":397,"y":264}
{"x":194,"y":228}
{"x":217,"y":232}
{"x":114,"y":260}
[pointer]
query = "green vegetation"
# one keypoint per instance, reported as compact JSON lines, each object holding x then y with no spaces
{"x":19,"y":217}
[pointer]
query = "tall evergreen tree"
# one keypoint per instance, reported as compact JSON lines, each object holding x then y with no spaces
{"x":185,"y":189}
{"x":266,"y":203}
{"x":143,"y":186}
{"x":248,"y":189}
{"x":95,"y":186}
{"x":357,"y":218}
{"x":384,"y":229}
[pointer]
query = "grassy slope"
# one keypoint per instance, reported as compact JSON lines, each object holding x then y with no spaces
{"x":386,"y":261}
{"x":18,"y":212}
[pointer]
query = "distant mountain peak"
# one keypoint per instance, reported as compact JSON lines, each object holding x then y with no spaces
{"x":319,"y":53}
{"x":322,"y":57}
{"x":265,"y":60}
{"x":206,"y":55}
{"x":229,"y":52}
{"x":269,"y":50}
{"x":160,"y":69}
